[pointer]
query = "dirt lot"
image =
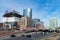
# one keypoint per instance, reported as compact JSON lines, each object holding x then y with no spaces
{"x":52,"y":37}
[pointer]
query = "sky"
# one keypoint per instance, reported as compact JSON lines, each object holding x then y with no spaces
{"x":42,"y":9}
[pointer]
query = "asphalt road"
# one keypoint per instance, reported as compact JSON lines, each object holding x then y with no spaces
{"x":35,"y":36}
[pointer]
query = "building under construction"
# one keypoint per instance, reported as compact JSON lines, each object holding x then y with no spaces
{"x":10,"y":19}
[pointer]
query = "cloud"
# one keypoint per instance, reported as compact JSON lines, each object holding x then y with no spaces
{"x":18,"y":5}
{"x":42,"y":9}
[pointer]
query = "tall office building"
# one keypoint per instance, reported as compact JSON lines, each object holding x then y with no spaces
{"x":27,"y":12}
{"x":53,"y":23}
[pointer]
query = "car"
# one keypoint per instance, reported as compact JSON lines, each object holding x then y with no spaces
{"x":25,"y":35}
{"x":12,"y":35}
{"x":28,"y":36}
{"x":57,"y":31}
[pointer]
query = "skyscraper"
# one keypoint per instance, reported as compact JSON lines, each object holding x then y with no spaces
{"x":27,"y":12}
{"x":53,"y":23}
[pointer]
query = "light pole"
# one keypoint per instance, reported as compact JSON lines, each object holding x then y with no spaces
{"x":36,"y":25}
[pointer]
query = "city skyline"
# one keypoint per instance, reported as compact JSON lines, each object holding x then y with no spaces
{"x":42,"y":9}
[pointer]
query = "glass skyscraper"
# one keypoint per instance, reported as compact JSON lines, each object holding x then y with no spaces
{"x":27,"y":12}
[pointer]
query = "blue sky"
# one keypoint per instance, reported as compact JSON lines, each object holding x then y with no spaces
{"x":42,"y":9}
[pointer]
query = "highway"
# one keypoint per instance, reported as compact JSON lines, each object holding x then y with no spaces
{"x":34,"y":36}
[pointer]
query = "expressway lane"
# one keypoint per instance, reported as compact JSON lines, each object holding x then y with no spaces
{"x":34,"y":36}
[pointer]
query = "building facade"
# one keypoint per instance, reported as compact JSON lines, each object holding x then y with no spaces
{"x":25,"y":23}
{"x":27,"y":12}
{"x":1,"y":25}
{"x":10,"y":19}
{"x":40,"y":25}
{"x":35,"y":22}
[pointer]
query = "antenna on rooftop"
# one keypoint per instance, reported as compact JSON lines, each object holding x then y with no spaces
{"x":15,"y":11}
{"x":6,"y":11}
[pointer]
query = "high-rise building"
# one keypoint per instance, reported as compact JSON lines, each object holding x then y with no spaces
{"x":25,"y":22}
{"x":35,"y":22}
{"x":53,"y":23}
{"x":10,"y":19}
{"x":27,"y":12}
